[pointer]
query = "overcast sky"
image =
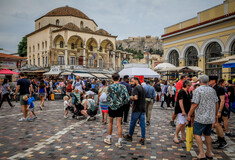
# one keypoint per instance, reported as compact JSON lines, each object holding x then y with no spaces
{"x":124,"y":18}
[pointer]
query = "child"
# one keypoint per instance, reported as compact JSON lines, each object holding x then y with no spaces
{"x":90,"y":107}
{"x":67,"y":106}
{"x":30,"y":107}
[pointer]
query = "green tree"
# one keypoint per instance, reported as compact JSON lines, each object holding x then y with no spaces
{"x":22,"y":47}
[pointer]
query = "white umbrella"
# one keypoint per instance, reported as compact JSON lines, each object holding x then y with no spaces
{"x":162,"y":66}
{"x":135,"y":71}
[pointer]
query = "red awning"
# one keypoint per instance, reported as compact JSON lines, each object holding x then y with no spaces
{"x":7,"y":71}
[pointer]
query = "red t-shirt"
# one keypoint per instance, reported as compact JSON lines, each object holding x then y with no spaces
{"x":178,"y":86}
{"x":69,"y":88}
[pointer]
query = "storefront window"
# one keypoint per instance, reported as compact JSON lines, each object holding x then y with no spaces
{"x":213,"y":52}
{"x":174,"y":58}
{"x":191,"y":58}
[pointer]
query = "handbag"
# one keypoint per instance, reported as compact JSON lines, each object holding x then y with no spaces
{"x":189,"y":137}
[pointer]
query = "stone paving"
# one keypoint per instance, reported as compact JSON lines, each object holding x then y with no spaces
{"x":51,"y":136}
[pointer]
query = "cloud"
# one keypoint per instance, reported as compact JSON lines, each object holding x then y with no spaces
{"x":125,"y":18}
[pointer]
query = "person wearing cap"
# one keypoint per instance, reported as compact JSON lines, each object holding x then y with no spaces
{"x":221,"y":96}
{"x":194,"y":81}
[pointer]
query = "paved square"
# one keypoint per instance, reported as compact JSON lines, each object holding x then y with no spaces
{"x":51,"y":136}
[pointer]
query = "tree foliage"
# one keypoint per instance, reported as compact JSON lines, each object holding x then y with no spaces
{"x":22,"y":47}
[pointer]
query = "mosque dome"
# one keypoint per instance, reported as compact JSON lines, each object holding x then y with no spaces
{"x":67,"y":11}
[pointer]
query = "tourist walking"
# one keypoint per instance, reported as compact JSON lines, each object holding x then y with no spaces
{"x":178,"y":86}
{"x":138,"y":110}
{"x":182,"y":108}
{"x":117,"y":96}
{"x":221,"y":96}
{"x":149,"y":101}
{"x":158,"y":89}
{"x":164,"y":94}
{"x":102,"y":101}
{"x":225,"y":114}
{"x":126,"y":106}
{"x":78,"y":84}
{"x":24,"y":87}
{"x":205,"y":105}
{"x":171,"y":94}
{"x":5,"y":92}
{"x":42,"y":93}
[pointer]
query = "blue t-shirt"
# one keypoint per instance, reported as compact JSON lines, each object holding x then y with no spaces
{"x":46,"y":83}
{"x":41,"y":90}
{"x":30,"y":102}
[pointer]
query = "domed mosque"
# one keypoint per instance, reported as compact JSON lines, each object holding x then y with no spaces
{"x":67,"y":38}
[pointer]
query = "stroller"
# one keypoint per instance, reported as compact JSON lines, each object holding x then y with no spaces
{"x":78,"y":107}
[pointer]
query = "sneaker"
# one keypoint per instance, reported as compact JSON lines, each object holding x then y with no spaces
{"x":172,"y":123}
{"x":229,"y":134}
{"x":40,"y":107}
{"x":203,"y":138}
{"x":22,"y":120}
{"x":107,"y":140}
{"x":138,"y":124}
{"x":128,"y":137}
{"x":30,"y":119}
{"x":222,"y":145}
{"x":65,"y":116}
{"x":141,"y":141}
{"x":118,"y":144}
{"x":216,"y":142}
{"x":104,"y":123}
{"x":12,"y":106}
{"x":35,"y":117}
{"x":147,"y":123}
{"x":88,"y":118}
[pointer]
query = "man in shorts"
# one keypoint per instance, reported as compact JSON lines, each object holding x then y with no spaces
{"x":205,"y":104}
{"x":117,"y":96}
{"x":25,"y":88}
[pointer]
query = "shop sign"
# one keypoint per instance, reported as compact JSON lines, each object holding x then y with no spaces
{"x":125,"y":61}
{"x":8,"y":65}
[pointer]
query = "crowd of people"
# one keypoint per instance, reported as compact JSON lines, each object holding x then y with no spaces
{"x":204,"y":102}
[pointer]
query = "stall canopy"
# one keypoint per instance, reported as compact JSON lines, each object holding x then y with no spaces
{"x":66,"y":73}
{"x":222,"y":60}
{"x":7,"y":71}
{"x":133,"y":69}
{"x":163,"y":66}
{"x":84,"y":75}
{"x":229,"y":64}
{"x":182,"y":69}
{"x":99,"y":75}
{"x":52,"y":73}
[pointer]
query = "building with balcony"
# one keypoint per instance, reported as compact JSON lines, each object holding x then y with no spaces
{"x":208,"y":36}
{"x":66,"y":36}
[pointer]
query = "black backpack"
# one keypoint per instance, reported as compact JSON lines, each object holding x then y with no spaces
{"x":158,"y":87}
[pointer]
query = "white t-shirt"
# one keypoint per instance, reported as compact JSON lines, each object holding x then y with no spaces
{"x":78,"y":85}
{"x":66,"y":104}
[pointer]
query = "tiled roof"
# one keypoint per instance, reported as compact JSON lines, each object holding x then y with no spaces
{"x":8,"y":56}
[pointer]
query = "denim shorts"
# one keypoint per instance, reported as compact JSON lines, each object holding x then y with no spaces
{"x":199,"y":128}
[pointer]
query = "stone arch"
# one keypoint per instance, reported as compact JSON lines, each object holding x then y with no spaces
{"x":229,"y":43}
{"x":77,"y":41}
{"x":106,"y":44}
{"x":91,"y":44}
{"x":174,"y":58}
{"x":185,"y":48}
{"x":57,"y":40}
{"x":169,"y":51}
{"x":208,"y":42}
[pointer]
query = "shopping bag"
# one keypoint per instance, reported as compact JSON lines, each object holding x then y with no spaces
{"x":189,"y":137}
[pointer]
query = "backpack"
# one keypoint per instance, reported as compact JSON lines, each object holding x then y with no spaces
{"x":103,"y":97}
{"x":158,"y":88}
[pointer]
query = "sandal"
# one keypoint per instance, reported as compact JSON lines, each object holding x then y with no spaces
{"x":175,"y":142}
{"x":207,"y":157}
{"x":199,"y":158}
